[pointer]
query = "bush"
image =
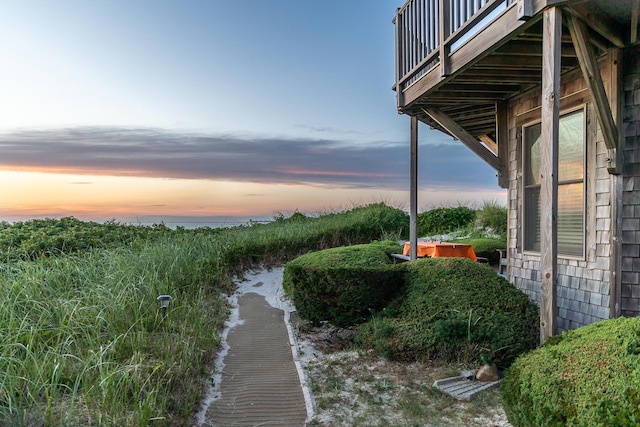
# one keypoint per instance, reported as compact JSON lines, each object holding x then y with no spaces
{"x":444,"y":220}
{"x":589,"y":376}
{"x":454,"y":309}
{"x":343,"y":285}
{"x":492,"y":216}
{"x":58,"y":237}
{"x":486,"y":247}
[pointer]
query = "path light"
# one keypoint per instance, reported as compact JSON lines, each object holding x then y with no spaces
{"x":163,"y":301}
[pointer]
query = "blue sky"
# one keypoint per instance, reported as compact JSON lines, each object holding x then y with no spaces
{"x":260,"y":92}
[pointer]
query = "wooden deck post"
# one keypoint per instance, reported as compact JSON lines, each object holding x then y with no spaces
{"x":399,"y":59}
{"x":551,"y":45}
{"x":413,"y":197}
{"x":502,"y":137}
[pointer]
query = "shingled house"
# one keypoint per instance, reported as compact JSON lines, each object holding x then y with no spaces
{"x":547,"y":92}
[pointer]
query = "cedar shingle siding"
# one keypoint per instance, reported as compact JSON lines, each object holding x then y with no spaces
{"x":583,"y":287}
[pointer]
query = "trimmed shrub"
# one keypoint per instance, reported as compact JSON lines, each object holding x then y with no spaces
{"x":444,"y":220}
{"x":589,"y":376}
{"x":343,"y":285}
{"x":454,"y":309}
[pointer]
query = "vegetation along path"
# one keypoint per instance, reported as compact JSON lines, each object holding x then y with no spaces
{"x":258,"y":381}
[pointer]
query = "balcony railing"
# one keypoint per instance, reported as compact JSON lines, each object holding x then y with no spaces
{"x":422,"y":25}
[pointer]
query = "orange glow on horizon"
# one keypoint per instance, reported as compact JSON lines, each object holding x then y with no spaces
{"x":76,"y":170}
{"x":38,"y":194}
{"x":99,"y":197}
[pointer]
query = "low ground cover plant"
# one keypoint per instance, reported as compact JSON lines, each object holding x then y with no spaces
{"x":33,"y":239}
{"x":343,"y":285}
{"x":588,"y":376}
{"x":454,"y":309}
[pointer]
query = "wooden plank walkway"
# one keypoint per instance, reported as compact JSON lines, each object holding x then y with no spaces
{"x":260,"y":385}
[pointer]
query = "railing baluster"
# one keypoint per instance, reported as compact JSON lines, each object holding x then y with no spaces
{"x":437,"y":22}
{"x":404,"y":43}
{"x":466,"y":10}
{"x":423,"y":32}
{"x":432,"y":28}
{"x":400,"y":70}
{"x":445,"y":30}
{"x":409,"y":41}
{"x":407,"y":36}
{"x":413,"y":35}
{"x":409,"y":23}
{"x":453,"y":13}
{"x":416,"y":34}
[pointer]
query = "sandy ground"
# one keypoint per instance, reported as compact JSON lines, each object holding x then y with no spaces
{"x":343,"y":387}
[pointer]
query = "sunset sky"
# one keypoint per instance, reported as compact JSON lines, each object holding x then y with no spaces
{"x":199,"y":108}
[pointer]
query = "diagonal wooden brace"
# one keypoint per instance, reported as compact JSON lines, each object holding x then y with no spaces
{"x":591,"y":72}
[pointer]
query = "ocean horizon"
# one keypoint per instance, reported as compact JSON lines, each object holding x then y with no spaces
{"x":170,"y":221}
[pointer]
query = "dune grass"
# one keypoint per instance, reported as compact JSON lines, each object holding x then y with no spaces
{"x":83,"y":341}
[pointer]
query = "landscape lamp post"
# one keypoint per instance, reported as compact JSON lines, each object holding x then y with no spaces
{"x":163,"y":302}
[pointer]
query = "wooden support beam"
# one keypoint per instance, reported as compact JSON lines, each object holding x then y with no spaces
{"x":552,"y":35}
{"x":413,"y":197}
{"x":490,"y":143}
{"x":465,"y":137}
{"x":615,"y":234}
{"x":591,"y":72}
{"x":606,"y":27}
{"x":502,"y":137}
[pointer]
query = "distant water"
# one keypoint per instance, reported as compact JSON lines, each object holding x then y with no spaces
{"x":193,"y":225}
{"x":188,"y":222}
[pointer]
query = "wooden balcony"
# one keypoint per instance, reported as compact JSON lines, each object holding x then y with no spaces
{"x":458,"y":62}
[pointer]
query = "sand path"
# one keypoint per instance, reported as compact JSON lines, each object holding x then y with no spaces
{"x":259,"y":380}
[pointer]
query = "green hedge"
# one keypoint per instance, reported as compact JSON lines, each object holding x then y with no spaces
{"x":444,"y":220}
{"x":486,"y":247}
{"x":454,"y":308}
{"x":343,"y":285}
{"x":585,"y":377}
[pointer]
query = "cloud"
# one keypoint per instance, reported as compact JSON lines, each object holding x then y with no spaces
{"x":152,"y":152}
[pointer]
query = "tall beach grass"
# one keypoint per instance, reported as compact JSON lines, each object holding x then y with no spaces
{"x":83,"y":341}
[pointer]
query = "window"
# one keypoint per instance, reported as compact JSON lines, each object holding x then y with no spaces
{"x":570,"y":185}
